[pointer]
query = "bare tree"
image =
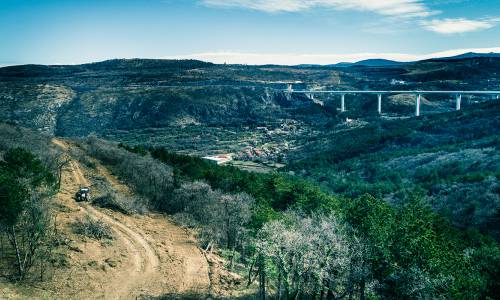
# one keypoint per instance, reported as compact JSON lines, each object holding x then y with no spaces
{"x":61,"y":162}
{"x":222,"y":217}
{"x":149,"y":177}
{"x":235,"y":214}
{"x":313,"y":256}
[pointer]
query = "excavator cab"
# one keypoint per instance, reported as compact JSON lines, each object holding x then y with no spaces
{"x":83,"y":194}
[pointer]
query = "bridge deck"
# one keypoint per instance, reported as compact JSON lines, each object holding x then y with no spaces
{"x":394,"y":92}
{"x":418,"y":94}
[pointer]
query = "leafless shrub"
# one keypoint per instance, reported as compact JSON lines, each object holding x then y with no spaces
{"x":149,"y":178}
{"x":194,"y":198}
{"x":185,"y":220}
{"x":221,"y":217}
{"x":29,"y":238}
{"x":125,"y":205}
{"x":93,"y":228}
{"x":312,"y":255}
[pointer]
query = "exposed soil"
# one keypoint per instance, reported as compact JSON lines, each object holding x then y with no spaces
{"x":148,"y":256}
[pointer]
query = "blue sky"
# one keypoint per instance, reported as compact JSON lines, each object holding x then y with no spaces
{"x":244,"y":31}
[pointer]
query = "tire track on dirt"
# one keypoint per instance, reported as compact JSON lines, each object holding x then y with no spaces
{"x":145,"y":261}
{"x":143,"y":255}
{"x":152,"y":259}
{"x":161,"y":257}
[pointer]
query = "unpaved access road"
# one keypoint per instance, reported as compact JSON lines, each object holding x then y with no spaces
{"x":155,"y":255}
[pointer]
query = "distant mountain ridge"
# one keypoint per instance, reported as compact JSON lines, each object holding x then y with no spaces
{"x":376,"y":62}
{"x":469,"y":55}
{"x":379,"y":62}
{"x":126,"y":63}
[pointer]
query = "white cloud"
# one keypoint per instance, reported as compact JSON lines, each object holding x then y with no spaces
{"x":406,"y":9}
{"x":460,"y":25}
{"x":400,"y":8}
{"x":320,"y":59}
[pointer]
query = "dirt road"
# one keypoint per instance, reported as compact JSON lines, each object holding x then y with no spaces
{"x":151,"y":255}
{"x":145,"y":260}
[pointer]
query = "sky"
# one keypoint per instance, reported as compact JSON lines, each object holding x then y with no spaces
{"x":244,"y":31}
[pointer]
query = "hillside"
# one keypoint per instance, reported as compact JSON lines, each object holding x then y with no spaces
{"x":127,"y":241}
{"x":451,"y":159}
{"x":133,"y":258}
{"x":133,"y":262}
{"x":201,"y":108}
{"x":137,"y":94}
{"x":125,"y":99}
{"x":406,"y":207}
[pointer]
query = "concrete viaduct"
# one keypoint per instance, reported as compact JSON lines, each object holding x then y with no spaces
{"x":418,"y":95}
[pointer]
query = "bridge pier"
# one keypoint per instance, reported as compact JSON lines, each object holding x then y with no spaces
{"x":417,"y":105}
{"x":379,"y":104}
{"x":417,"y":93}
{"x":459,"y":102}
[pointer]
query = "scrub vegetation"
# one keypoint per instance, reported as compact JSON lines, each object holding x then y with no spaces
{"x":294,"y":239}
{"x":450,"y":160}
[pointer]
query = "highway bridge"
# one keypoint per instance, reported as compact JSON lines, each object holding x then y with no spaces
{"x":379,"y":93}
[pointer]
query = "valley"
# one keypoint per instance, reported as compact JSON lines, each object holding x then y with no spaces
{"x":352,"y":202}
{"x":250,"y":150}
{"x":205,"y":109}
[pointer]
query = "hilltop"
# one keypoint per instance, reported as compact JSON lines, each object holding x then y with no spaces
{"x":370,"y":63}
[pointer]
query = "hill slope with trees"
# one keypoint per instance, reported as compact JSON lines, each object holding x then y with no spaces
{"x":450,"y":159}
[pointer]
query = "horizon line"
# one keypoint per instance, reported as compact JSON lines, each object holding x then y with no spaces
{"x":288,"y":59}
